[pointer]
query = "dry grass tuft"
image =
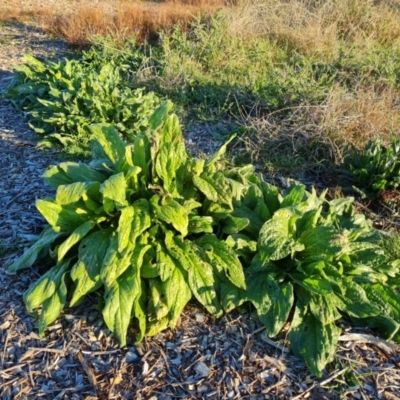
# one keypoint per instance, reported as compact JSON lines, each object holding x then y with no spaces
{"x":319,"y":26}
{"x":79,"y":21}
{"x":308,"y":139}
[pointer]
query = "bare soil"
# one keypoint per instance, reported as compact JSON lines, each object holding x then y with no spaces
{"x":203,"y":358}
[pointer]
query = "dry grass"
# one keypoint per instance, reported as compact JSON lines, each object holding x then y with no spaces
{"x":310,"y":139}
{"x":319,"y":26}
{"x":77,"y":21}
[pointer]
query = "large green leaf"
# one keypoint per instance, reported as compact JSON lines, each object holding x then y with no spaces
{"x":200,"y":224}
{"x":171,"y":153}
{"x":141,"y":218}
{"x":215,"y":187}
{"x":119,"y":302}
{"x":124,"y":227}
{"x":79,"y":172}
{"x":220,"y":255}
{"x":325,"y":308}
{"x":178,"y":294}
{"x":282,"y":298}
{"x":46,"y":286}
{"x":47,"y":237}
{"x":77,"y":235}
{"x":255,"y":222}
{"x":114,"y":190}
{"x":139,"y":311}
{"x":200,"y":273}
{"x":108,"y":138}
{"x":293,"y":196}
{"x":69,"y":194}
{"x":55,"y":176}
{"x":53,"y":306}
{"x":160,"y":115}
{"x":387,"y":300}
{"x":165,"y":263}
{"x":171,"y":212}
{"x":355,"y":300}
{"x":61,"y":218}
{"x":115,"y":264}
{"x":312,"y":341}
{"x":277,"y":236}
{"x":272,"y":300}
{"x":86,"y":271}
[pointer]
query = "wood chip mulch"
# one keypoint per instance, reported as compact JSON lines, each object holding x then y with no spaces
{"x":203,"y":358}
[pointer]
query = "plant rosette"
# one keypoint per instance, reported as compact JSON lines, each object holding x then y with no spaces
{"x":148,"y":227}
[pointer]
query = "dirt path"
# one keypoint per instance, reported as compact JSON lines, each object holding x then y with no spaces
{"x":203,"y":358}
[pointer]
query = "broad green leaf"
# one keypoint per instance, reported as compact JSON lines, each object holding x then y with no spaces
{"x":232,"y":225}
{"x":171,"y":212}
{"x":61,"y":217}
{"x":314,"y":283}
{"x":215,"y":187}
{"x":108,"y":138}
{"x":141,"y":156}
{"x":86,"y":271}
{"x":157,"y":308}
{"x":168,"y":301}
{"x":231,"y":296}
{"x":255,"y":222}
{"x":271,"y":196}
{"x":171,"y":153}
{"x":201,"y":277}
{"x":149,"y":267}
{"x":277,"y":238}
{"x":141,"y":218}
{"x":139,"y":311}
{"x":165,"y":263}
{"x":124,"y":227}
{"x":114,"y":189}
{"x":178,"y":294}
{"x":243,"y":246}
{"x":200,"y":224}
{"x":53,"y":306}
{"x":46,"y":286}
{"x":77,"y":235}
{"x":79,"y":172}
{"x":321,"y":242}
{"x":324,"y":308}
{"x":282,"y":298}
{"x":160,"y":115}
{"x":220,"y":255}
{"x":67,"y":194}
{"x":355,"y":300}
{"x":294,"y":196}
{"x":55,"y":176}
{"x":47,"y":237}
{"x":119,"y":302}
{"x":115,"y":264}
{"x":273,"y":301}
{"x":387,"y":300}
{"x":312,"y":341}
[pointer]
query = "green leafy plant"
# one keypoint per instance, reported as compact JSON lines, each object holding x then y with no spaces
{"x":138,"y":224}
{"x":376,"y":167}
{"x":321,"y":260}
{"x":147,"y":227}
{"x":63,"y":98}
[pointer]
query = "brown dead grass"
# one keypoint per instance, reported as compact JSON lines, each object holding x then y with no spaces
{"x":310,"y":139}
{"x":319,"y":26}
{"x":78,"y":21}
